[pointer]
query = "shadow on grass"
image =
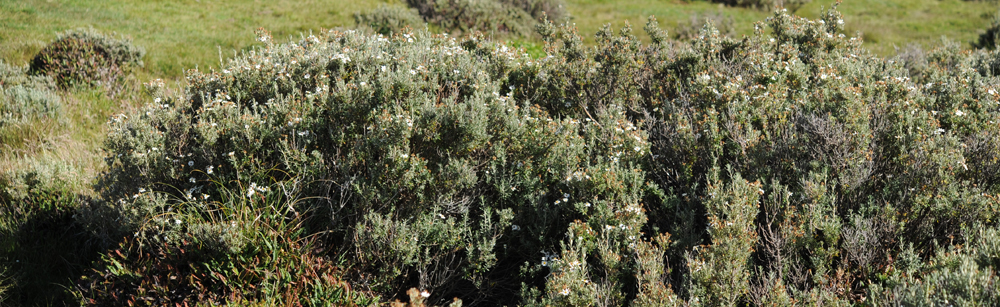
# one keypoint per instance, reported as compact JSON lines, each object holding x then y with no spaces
{"x":43,"y":251}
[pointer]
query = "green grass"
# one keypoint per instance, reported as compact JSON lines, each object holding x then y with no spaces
{"x":885,"y":24}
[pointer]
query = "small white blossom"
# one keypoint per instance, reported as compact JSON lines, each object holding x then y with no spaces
{"x":209,"y":169}
{"x":190,"y":163}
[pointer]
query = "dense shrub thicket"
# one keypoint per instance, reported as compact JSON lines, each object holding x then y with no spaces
{"x":24,"y":98}
{"x":85,"y":56}
{"x":787,"y":167}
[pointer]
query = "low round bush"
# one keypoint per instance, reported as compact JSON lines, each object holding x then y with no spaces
{"x":387,"y":20}
{"x":85,"y":56}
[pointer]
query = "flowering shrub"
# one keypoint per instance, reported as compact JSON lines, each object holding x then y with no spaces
{"x":85,"y":56}
{"x":787,"y":166}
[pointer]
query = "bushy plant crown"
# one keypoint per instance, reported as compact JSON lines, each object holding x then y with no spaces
{"x":790,"y":167}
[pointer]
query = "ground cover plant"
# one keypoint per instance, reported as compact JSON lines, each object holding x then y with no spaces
{"x":790,"y":166}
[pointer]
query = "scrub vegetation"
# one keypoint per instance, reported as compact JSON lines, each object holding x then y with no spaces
{"x":486,"y":153}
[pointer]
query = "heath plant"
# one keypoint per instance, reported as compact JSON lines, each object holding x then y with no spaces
{"x":789,"y":166}
{"x":26,"y":98}
{"x":87,"y":57}
{"x":387,"y":19}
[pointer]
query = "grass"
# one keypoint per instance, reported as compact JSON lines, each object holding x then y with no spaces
{"x":885,"y":24}
{"x":178,"y":35}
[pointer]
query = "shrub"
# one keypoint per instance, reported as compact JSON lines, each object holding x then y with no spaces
{"x":537,"y":8}
{"x":41,"y":247}
{"x":721,"y":22}
{"x":25,"y":98}
{"x":792,"y":5}
{"x":85,"y":56}
{"x":387,"y":20}
{"x":990,"y":38}
{"x":515,"y":17}
{"x":235,"y":249}
{"x":958,"y":275}
{"x":452,"y":166}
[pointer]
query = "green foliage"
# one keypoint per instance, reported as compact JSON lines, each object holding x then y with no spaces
{"x":25,"y":98}
{"x":237,"y":249}
{"x":989,"y":39}
{"x":960,"y":275}
{"x":85,"y":56}
{"x":793,"y":5}
{"x":387,"y":20}
{"x":516,"y":17}
{"x":40,"y":245}
{"x":451,"y":166}
{"x":721,"y":22}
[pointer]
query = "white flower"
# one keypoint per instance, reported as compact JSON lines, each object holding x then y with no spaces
{"x":959,"y":113}
{"x":157,"y":100}
{"x":565,"y":291}
{"x":425,"y":294}
{"x":178,"y":222}
{"x":191,"y":180}
{"x":363,"y":83}
{"x":190,"y":163}
{"x":637,"y":149}
{"x":307,"y":76}
{"x":413,"y":72}
{"x":209,"y":169}
{"x":142,"y":190}
{"x":204,"y":196}
{"x":252,"y":189}
{"x":231,"y":153}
